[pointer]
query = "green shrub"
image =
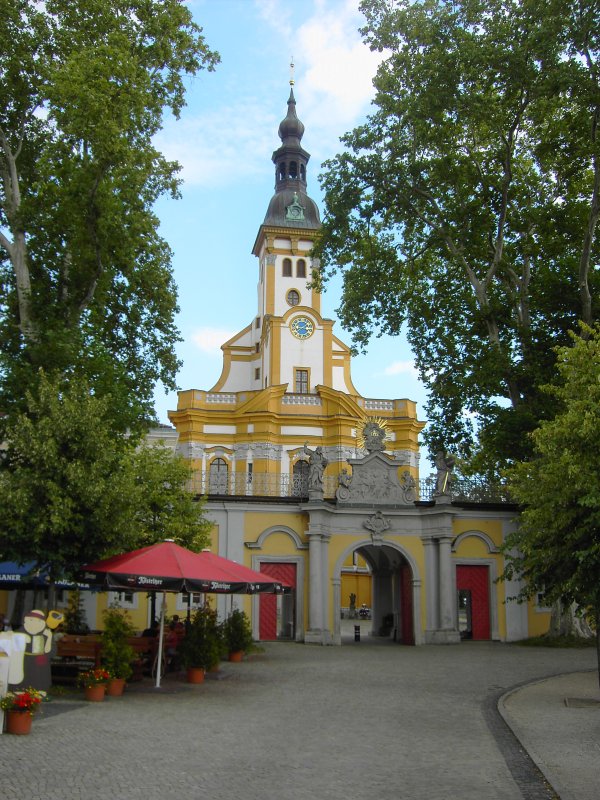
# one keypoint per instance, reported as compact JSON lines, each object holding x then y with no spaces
{"x":117,"y":655}
{"x":202,"y":644}
{"x":238,"y":632}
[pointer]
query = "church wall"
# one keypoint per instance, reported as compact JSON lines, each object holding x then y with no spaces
{"x":538,"y":619}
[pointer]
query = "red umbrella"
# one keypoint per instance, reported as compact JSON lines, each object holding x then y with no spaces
{"x":167,"y":567}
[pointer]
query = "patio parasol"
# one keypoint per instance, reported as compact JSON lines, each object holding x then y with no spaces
{"x":30,"y":575}
{"x":168,"y":567}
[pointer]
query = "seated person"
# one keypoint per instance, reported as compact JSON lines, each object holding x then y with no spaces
{"x":153,"y":629}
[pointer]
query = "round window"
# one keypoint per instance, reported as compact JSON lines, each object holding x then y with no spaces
{"x":293,"y":297}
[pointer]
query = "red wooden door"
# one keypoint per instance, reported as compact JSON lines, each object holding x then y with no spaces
{"x":475,"y":579}
{"x":406,"y":605}
{"x":267,"y":622}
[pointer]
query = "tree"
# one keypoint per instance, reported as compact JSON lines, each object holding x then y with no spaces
{"x":556,"y":548}
{"x":465,"y":209}
{"x":86,"y":279}
{"x":74,"y":621}
{"x":65,"y":487}
{"x":165,"y":508}
{"x":73,"y":491}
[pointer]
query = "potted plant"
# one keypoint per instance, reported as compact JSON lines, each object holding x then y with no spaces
{"x":201,"y":646}
{"x":238,"y":634}
{"x":20,"y":706}
{"x":94,"y":683}
{"x":117,"y":654}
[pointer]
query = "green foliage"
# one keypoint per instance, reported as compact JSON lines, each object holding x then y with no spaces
{"x":201,"y":647}
{"x":164,"y":506}
{"x":556,"y":547}
{"x":117,"y":655}
{"x":86,"y":278}
{"x":237,"y":631}
{"x":464,"y":210}
{"x":561,"y":642}
{"x":64,"y":488}
{"x":74,"y":621}
{"x":73,"y":490}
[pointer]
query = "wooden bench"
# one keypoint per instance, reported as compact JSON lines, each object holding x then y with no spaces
{"x":78,"y":653}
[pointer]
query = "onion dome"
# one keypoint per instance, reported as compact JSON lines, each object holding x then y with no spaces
{"x":290,"y":206}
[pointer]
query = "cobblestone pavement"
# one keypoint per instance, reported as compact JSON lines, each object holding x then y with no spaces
{"x":558,"y":722}
{"x":359,"y":722}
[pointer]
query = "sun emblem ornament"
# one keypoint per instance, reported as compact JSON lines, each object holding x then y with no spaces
{"x":373,"y":434}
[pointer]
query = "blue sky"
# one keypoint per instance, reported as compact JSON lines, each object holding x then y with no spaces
{"x":224,"y":141}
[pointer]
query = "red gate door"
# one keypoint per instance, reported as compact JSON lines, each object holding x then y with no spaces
{"x":475,"y":579}
{"x":267,"y":621}
{"x":406,"y":605}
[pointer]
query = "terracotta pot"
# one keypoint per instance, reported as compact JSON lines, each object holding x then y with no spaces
{"x":236,"y":655}
{"x":18,"y":722}
{"x":195,"y":675}
{"x":115,"y":687}
{"x":95,"y":694}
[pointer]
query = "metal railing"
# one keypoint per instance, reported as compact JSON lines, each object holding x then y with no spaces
{"x":467,"y":490}
{"x":257,"y":484}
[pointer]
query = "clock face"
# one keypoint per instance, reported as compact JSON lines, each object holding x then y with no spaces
{"x":302,"y":327}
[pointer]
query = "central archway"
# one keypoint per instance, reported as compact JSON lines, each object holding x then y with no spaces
{"x":394,"y":593}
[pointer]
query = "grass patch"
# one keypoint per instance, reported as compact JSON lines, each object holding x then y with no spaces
{"x":558,"y":641}
{"x":62,"y":691}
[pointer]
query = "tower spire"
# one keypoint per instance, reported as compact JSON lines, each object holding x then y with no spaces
{"x":290,"y":205}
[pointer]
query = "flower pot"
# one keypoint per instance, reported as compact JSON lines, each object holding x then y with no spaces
{"x":195,"y":675}
{"x":18,"y":722}
{"x":95,"y":694}
{"x":236,"y":655}
{"x":116,"y":687}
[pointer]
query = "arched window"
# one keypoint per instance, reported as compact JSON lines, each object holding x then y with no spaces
{"x":287,"y":268}
{"x":281,"y":175}
{"x":301,"y":268}
{"x":302,"y":172}
{"x":293,"y":169}
{"x":217,"y":476}
{"x":300,"y":479}
{"x":293,"y":297}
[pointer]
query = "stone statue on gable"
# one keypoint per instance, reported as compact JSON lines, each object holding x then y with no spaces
{"x":316,"y":466}
{"x":444,"y":463}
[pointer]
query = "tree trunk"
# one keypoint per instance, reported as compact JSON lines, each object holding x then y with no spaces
{"x":565,"y":622}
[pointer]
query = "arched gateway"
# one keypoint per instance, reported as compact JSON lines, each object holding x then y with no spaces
{"x":394,"y":594}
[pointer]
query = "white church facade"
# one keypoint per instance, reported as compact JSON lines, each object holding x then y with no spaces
{"x":285,"y":398}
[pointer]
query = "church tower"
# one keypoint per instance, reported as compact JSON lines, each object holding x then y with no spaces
{"x":286,"y":377}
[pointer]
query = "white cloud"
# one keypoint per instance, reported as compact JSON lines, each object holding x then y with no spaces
{"x":209,"y":340}
{"x":334,"y":68}
{"x":339,"y":78}
{"x":401,"y":368}
{"x":334,"y":72}
{"x":220,"y":146}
